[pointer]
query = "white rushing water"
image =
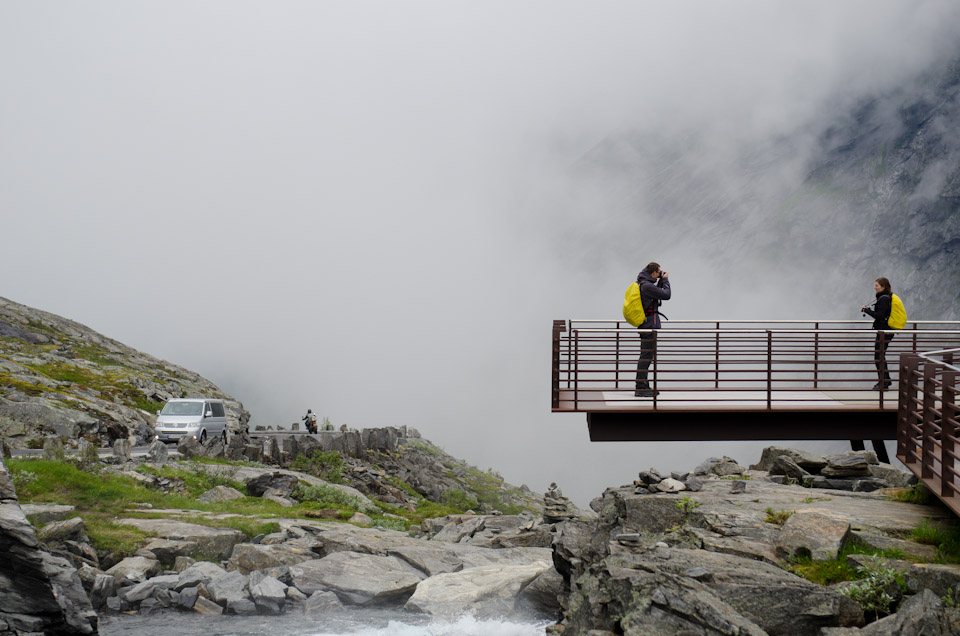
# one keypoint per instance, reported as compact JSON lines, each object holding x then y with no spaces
{"x":358,"y":622}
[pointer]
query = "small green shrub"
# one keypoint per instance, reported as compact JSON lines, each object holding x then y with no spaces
{"x":390,"y":523}
{"x":871,"y":591}
{"x":22,"y":479}
{"x":778,"y":517}
{"x":686,"y":505}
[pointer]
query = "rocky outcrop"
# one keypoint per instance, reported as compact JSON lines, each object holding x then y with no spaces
{"x":88,"y":385}
{"x":715,"y":560}
{"x":315,"y":567}
{"x":39,"y":592}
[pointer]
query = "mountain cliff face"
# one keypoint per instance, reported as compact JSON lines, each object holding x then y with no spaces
{"x":872,"y":190}
{"x":60,"y":377}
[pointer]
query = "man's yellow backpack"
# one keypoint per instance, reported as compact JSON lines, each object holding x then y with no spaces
{"x":898,"y":313}
{"x":633,"y":306}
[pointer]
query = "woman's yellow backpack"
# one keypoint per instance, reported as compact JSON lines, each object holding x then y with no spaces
{"x":633,"y":306}
{"x":898,"y":313}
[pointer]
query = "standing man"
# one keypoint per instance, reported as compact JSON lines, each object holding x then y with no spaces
{"x":654,"y":289}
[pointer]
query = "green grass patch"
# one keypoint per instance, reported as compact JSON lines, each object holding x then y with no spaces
{"x":27,"y":388}
{"x":120,"y":539}
{"x":488,"y":489}
{"x":197,"y":478}
{"x":426,"y":448}
{"x":915,"y":494}
{"x":145,"y":404}
{"x":332,"y":495}
{"x":945,"y":538}
{"x":836,"y":570}
{"x":460,"y":500}
{"x":327,"y":465}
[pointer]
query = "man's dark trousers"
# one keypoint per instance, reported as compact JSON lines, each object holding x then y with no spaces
{"x":648,"y":350}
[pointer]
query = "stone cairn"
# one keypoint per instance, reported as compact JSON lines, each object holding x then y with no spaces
{"x":556,"y":507}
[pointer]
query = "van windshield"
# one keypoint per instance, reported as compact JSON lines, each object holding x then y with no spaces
{"x":182,"y":408}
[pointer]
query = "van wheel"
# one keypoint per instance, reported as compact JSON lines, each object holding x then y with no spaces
{"x":203,"y":436}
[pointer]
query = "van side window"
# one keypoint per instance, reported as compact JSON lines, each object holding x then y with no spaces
{"x":217,"y":409}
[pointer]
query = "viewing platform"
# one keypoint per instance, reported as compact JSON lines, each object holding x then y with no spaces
{"x":736,"y":380}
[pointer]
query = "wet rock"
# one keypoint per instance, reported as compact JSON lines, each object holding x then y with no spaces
{"x":482,"y":591}
{"x":187,"y":598}
{"x":250,"y":557}
{"x":267,"y":593}
{"x":227,"y":588}
{"x":321,"y":603}
{"x":360,"y":579}
{"x":241,"y":607}
{"x":205,"y":606}
{"x":134,"y":569}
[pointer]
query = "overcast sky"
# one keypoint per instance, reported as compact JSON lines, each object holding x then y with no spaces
{"x":365,"y":208}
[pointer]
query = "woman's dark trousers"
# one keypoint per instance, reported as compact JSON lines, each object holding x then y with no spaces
{"x":648,"y":350}
{"x":880,"y":355}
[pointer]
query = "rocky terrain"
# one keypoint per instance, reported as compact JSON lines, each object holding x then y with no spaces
{"x":58,"y":377}
{"x":713,"y":551}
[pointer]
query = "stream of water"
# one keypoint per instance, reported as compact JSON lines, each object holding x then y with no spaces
{"x":356,"y":622}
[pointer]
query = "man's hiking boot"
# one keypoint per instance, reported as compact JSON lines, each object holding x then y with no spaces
{"x":882,"y":386}
{"x":645,"y":393}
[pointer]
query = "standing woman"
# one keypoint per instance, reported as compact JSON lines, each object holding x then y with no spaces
{"x":880,"y":313}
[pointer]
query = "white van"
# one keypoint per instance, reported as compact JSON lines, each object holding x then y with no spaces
{"x":201,"y":418}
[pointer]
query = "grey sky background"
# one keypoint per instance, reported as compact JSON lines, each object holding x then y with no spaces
{"x":368,"y":208}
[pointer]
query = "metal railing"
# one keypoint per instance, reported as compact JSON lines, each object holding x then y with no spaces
{"x":753,"y":364}
{"x":928,"y":423}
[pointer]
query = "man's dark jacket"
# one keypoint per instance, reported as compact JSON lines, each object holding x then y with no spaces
{"x":651,"y":295}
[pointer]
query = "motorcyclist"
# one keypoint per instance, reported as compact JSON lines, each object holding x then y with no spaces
{"x":310,"y":419}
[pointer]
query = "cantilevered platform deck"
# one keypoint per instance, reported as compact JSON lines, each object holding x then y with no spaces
{"x":735,"y":380}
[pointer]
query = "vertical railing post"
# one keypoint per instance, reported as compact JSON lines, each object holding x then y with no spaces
{"x":558,"y":327}
{"x":929,"y":396}
{"x":716,"y":384}
{"x":906,"y":447}
{"x":769,"y":370}
{"x":576,"y":367}
{"x":616,"y":372}
{"x":948,"y":429}
{"x":816,"y":355}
